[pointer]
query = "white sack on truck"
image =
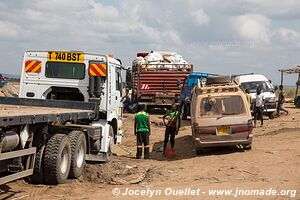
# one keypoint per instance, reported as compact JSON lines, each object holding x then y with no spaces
{"x":161,"y":60}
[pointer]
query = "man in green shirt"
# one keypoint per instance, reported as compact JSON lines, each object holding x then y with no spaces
{"x":172,"y":122}
{"x":142,"y":132}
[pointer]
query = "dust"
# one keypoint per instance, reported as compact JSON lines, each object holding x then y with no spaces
{"x":279,"y":131}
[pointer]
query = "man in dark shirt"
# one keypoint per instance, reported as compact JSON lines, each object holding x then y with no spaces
{"x":172,"y":122}
{"x":281,"y":99}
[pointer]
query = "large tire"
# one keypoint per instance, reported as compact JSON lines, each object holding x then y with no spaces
{"x":271,"y":115}
{"x":57,"y":159}
{"x":38,"y":172}
{"x":199,"y":151}
{"x":247,"y":147}
{"x":135,"y":108}
{"x":109,"y":154}
{"x":78,"y":151}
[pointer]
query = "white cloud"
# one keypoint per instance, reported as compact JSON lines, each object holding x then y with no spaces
{"x":126,"y":27}
{"x":9,"y":30}
{"x":200,"y":17}
{"x":101,"y":12}
{"x":274,"y":8}
{"x":287,"y":36}
{"x":253,"y":27}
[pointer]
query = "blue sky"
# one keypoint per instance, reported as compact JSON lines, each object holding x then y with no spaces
{"x":224,"y":37}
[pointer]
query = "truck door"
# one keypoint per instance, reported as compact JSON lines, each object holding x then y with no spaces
{"x":115,"y":91}
{"x":118,"y":91}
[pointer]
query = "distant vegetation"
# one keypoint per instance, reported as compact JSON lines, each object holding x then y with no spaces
{"x":11,"y":76}
{"x":289,"y":91}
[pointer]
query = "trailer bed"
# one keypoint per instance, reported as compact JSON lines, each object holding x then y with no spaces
{"x":12,"y":110}
{"x":18,"y":111}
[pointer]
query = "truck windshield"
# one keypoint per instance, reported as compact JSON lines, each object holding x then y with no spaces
{"x":252,"y":86}
{"x":65,"y":70}
{"x":222,"y":106}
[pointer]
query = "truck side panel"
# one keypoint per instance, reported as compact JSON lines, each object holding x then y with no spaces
{"x":150,"y":86}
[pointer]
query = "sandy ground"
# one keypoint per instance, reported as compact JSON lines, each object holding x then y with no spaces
{"x":10,"y":89}
{"x":273,"y":162}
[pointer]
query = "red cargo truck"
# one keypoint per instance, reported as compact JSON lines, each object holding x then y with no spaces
{"x":157,"y":84}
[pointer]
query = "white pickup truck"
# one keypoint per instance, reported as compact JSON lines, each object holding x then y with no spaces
{"x":252,"y":82}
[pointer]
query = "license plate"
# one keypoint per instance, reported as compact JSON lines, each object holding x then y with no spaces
{"x":223,"y":130}
{"x":60,"y":56}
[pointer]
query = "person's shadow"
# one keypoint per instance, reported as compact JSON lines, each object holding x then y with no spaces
{"x":5,"y":192}
{"x":185,"y":149}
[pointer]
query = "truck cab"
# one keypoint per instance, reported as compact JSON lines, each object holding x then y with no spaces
{"x":186,"y":91}
{"x":77,"y":76}
{"x":69,"y":111}
{"x":252,"y":82}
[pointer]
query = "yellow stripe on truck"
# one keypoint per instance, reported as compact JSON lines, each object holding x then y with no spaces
{"x":30,"y":65}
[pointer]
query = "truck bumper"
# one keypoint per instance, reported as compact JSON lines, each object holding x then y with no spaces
{"x":270,"y":107}
{"x":224,"y":140}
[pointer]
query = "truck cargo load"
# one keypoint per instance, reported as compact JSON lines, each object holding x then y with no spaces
{"x":157,"y":78}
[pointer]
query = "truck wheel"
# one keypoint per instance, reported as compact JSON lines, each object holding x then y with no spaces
{"x":183,"y":113}
{"x":57,"y":159}
{"x":247,"y":147}
{"x":134,"y":108}
{"x":271,"y":115}
{"x":199,"y":151}
{"x":78,"y":151}
{"x":38,"y":172}
{"x":109,"y":154}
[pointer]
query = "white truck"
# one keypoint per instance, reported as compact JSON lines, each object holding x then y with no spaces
{"x":69,"y":110}
{"x":252,"y":82}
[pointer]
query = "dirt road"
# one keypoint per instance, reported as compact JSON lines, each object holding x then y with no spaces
{"x":273,"y":162}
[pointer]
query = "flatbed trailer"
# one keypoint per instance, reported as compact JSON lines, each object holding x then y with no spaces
{"x":20,"y":111}
{"x":25,"y":127}
{"x":69,"y":112}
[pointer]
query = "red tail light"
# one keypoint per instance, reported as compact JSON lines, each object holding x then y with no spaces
{"x":243,"y":128}
{"x":209,"y":130}
{"x":250,"y":123}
